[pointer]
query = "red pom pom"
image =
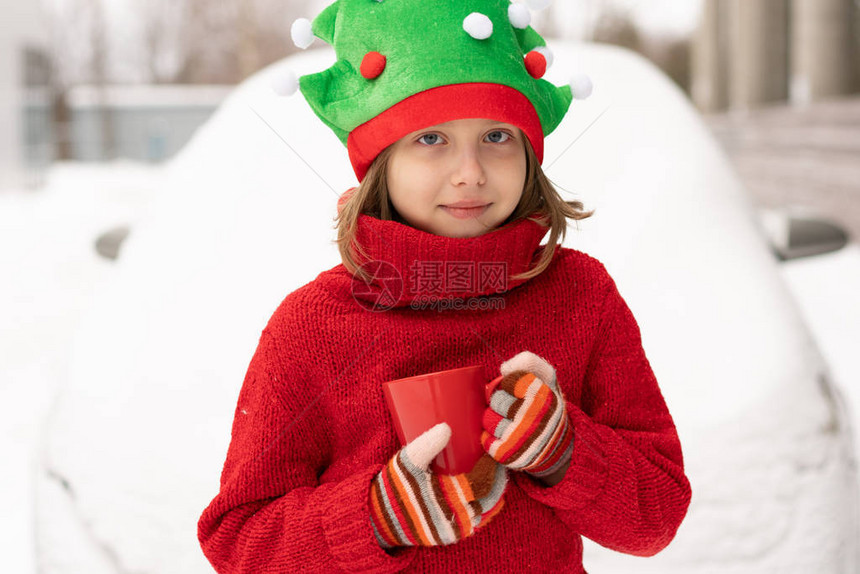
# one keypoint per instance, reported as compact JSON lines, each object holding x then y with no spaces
{"x":536,"y":64}
{"x":372,"y":65}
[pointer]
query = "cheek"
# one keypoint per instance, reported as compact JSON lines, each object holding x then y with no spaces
{"x":513,"y":173}
{"x":398,"y":182}
{"x":407,"y":195}
{"x":393,"y":183}
{"x":411,"y":183}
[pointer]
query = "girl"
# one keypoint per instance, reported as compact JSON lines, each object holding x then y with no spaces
{"x":443,"y":112}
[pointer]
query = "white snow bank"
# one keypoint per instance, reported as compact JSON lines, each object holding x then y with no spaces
{"x":143,"y":426}
{"x":50,"y":270}
{"x":766,"y":438}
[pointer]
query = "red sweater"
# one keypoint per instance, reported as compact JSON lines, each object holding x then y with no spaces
{"x":311,"y":427}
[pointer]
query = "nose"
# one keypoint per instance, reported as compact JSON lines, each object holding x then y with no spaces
{"x":468,"y":168}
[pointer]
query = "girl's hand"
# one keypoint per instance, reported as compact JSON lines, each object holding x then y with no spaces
{"x":412,"y":506}
{"x":526,"y":426}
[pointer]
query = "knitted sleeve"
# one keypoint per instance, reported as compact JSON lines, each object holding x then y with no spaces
{"x":272,"y":514}
{"x":625,"y":488}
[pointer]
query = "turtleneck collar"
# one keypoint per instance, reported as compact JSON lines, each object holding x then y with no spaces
{"x":407,"y":264}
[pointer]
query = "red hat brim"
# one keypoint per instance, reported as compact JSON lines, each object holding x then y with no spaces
{"x":439,"y":105}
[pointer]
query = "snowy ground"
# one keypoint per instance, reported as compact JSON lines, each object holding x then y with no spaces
{"x":146,"y":354}
{"x":50,"y":270}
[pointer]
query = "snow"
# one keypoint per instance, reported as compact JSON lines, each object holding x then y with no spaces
{"x":765,"y":434}
{"x":147,"y":353}
{"x":50,"y":273}
{"x":833,"y":313}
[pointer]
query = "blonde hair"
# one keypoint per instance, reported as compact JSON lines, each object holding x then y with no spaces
{"x":540,"y":202}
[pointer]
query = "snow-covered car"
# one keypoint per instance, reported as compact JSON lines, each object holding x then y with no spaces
{"x":137,"y":440}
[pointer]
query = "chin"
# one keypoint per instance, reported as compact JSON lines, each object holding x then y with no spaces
{"x":464,"y":231}
{"x":456,"y":229}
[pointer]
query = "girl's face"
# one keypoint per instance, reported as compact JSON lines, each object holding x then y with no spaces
{"x":461,"y":178}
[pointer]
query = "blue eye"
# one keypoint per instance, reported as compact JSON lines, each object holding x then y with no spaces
{"x":498,"y":137}
{"x":430,"y":139}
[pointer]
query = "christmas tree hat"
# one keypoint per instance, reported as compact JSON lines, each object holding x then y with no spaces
{"x":404,"y":65}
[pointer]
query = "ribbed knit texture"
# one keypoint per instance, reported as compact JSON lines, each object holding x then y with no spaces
{"x":311,"y":428}
{"x":440,"y":267}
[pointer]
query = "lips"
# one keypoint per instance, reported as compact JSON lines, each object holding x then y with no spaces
{"x":465,"y":209}
{"x":467,"y":204}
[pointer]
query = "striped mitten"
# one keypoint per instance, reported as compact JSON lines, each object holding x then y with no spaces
{"x":526,"y":426}
{"x":412,"y":506}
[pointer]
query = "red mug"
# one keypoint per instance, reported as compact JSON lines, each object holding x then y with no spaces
{"x":457,"y":397}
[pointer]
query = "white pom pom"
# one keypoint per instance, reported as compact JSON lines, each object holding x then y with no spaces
{"x":547,"y":54}
{"x":519,"y":16}
{"x":581,"y":86}
{"x":285,"y":83}
{"x":302,"y":33}
{"x":538,"y":4}
{"x":478,"y":26}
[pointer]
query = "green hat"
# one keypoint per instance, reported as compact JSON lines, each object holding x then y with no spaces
{"x":403,"y":65}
